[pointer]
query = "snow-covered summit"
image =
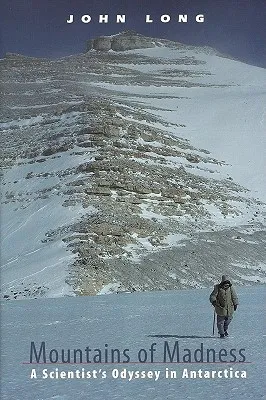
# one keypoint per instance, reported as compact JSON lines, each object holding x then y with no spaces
{"x":131,"y":40}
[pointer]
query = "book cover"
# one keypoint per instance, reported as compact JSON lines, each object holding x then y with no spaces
{"x":132,"y":199}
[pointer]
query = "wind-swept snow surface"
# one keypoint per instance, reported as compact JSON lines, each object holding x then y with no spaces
{"x":129,"y":323}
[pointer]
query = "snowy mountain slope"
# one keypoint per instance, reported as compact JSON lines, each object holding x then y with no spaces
{"x":40,"y":217}
{"x":128,"y":157}
{"x":133,"y":322}
{"x":223,"y":119}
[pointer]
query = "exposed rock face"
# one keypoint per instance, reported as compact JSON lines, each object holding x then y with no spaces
{"x":127,"y":40}
{"x":102,"y":43}
{"x":130,"y":42}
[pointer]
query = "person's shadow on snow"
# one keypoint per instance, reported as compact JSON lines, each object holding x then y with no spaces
{"x":182,"y":336}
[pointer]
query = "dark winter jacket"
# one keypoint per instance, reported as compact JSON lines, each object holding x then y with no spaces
{"x":225,"y":299}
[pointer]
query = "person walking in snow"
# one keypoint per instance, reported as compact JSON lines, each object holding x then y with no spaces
{"x":225,"y":301}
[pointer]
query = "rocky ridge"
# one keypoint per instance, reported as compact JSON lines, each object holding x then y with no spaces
{"x":131,"y":40}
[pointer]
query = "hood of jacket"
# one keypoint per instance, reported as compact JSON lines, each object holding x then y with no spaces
{"x":225,"y":278}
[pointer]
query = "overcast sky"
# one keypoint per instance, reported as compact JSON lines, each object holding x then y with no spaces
{"x":39,"y":28}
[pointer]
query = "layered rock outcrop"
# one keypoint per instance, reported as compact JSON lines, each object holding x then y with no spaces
{"x":127,"y":40}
